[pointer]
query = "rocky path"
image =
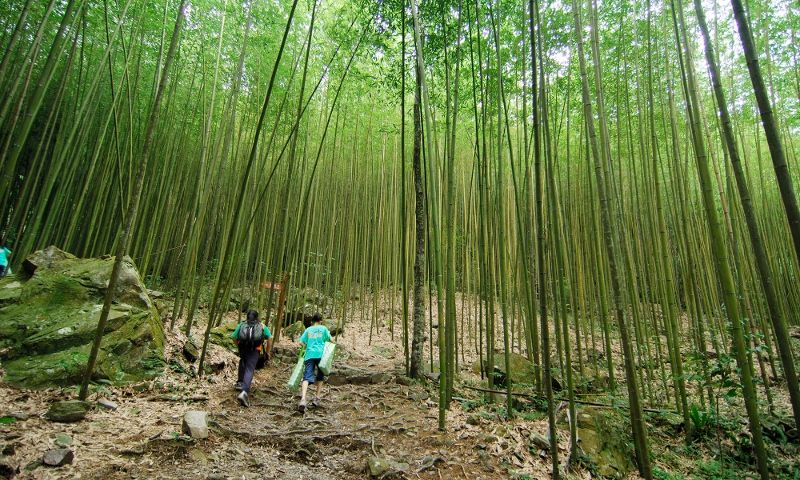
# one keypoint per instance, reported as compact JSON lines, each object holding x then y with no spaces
{"x":373,"y":423}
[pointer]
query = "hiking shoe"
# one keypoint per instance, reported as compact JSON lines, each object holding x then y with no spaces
{"x":316,"y":402}
{"x":243,"y":399}
{"x":238,"y":387}
{"x":302,"y":406}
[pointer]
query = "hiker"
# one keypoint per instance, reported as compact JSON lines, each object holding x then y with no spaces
{"x":250,"y":336}
{"x":313,"y":338}
{"x":4,"y":253}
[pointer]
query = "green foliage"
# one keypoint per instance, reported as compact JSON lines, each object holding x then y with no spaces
{"x":470,"y":405}
{"x":703,"y":422}
{"x":660,"y":474}
{"x":717,"y":470}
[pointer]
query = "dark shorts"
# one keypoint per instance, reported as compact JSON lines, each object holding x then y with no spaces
{"x":312,"y":373}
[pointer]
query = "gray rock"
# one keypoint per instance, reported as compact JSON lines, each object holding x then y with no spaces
{"x":58,"y":457}
{"x":420,"y":396}
{"x":190,"y":352}
{"x":539,"y":441}
{"x":198,"y":456}
{"x":382,"y":467}
{"x":402,"y":380}
{"x":217,"y":366}
{"x":195,"y":424}
{"x":10,"y":292}
{"x":359,"y":379}
{"x":336,"y":380}
{"x":63,"y":440}
{"x":108,"y":404}
{"x":430,"y":461}
{"x":21,"y":416}
{"x":44,"y":259}
{"x":68,"y":411}
{"x":380,"y":378}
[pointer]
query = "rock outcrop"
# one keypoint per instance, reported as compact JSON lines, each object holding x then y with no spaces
{"x":49,"y":315}
{"x":602,"y":437}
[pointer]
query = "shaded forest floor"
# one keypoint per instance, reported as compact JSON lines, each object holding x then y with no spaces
{"x":373,"y":412}
{"x":381,"y":414}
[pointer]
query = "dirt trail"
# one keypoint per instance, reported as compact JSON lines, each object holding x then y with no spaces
{"x":380,"y":416}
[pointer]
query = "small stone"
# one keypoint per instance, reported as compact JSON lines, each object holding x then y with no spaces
{"x":68,"y":411}
{"x":473,"y":420}
{"x":379,"y":378}
{"x":198,"y":456}
{"x":540,"y":441}
{"x":378,"y":467}
{"x":429,"y":461}
{"x":58,"y":457}
{"x":195,"y":424}
{"x":63,"y":440}
{"x":190,"y":352}
{"x":359,"y":379}
{"x":336,"y":380}
{"x":218,"y":366}
{"x":420,"y":396}
{"x":108,"y":404}
{"x":402,"y":380}
{"x":21,"y":416}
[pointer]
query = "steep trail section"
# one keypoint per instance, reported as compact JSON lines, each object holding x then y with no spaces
{"x":370,"y":416}
{"x":373,"y":420}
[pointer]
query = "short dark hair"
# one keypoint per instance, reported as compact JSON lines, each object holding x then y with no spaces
{"x":252,"y":315}
{"x":316,"y":318}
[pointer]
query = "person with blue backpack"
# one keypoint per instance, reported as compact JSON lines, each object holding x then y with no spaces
{"x":313,"y":338}
{"x":250,"y":336}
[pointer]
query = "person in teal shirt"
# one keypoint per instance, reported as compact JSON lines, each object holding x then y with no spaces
{"x":4,"y":253}
{"x":249,"y":351}
{"x":313,"y":339}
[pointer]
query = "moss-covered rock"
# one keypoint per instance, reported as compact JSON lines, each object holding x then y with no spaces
{"x":602,"y":435}
{"x":48,"y":323}
{"x":68,"y":411}
{"x":221,"y":336}
{"x":522,"y":370}
{"x":294,"y":330}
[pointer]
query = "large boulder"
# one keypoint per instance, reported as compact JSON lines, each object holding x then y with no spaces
{"x":522,"y":370}
{"x":49,"y":315}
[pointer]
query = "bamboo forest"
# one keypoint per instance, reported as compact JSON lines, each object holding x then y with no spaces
{"x":344,"y":239}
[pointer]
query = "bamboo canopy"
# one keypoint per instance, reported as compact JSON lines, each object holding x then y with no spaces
{"x":605,"y":188}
